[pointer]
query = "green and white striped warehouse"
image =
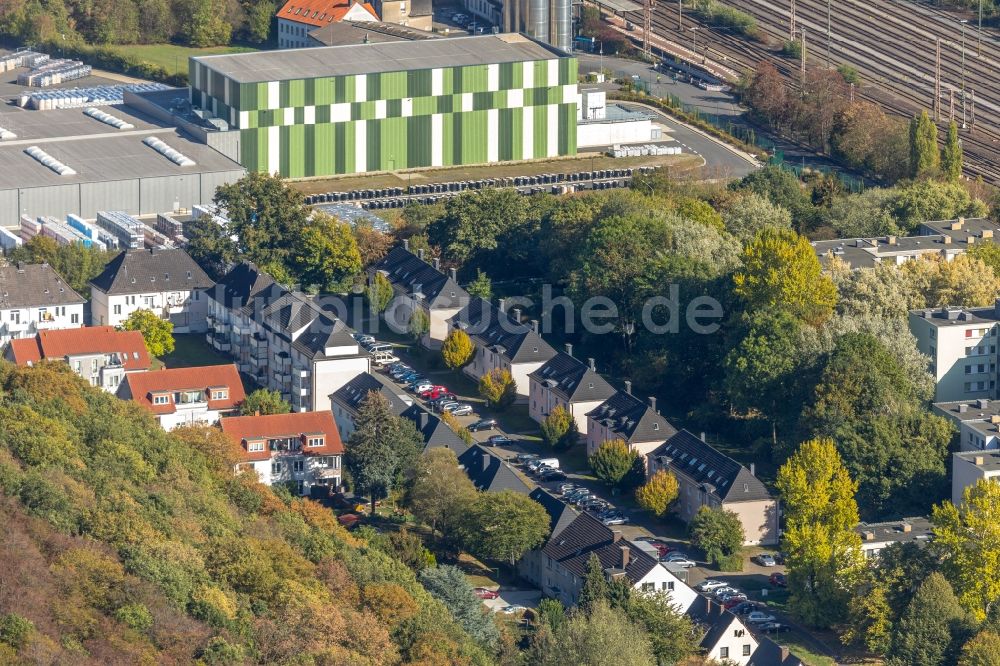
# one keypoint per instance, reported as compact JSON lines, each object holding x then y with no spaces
{"x":393,"y":105}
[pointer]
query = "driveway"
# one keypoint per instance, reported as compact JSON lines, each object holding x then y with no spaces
{"x":514,"y":597}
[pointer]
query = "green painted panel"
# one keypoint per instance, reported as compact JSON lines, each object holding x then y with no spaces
{"x":263,"y":150}
{"x":296,"y":151}
{"x":505,"y":134}
{"x":248,"y":97}
{"x":324,"y":161}
{"x":297,"y":93}
{"x":373,"y":86}
{"x":393,"y":143}
{"x":567,"y":129}
{"x":300,"y":115}
{"x":541,"y":76}
{"x":284,"y":163}
{"x":309,"y":150}
{"x":373,"y":147}
{"x":322,"y":114}
{"x":419,"y":83}
{"x":448,"y":81}
{"x":309,"y":92}
{"x":340,"y":89}
{"x":324,"y":91}
{"x":482,"y":100}
{"x":425,"y":106}
{"x":540,"y":125}
{"x":283,"y":98}
{"x":251,"y":120}
{"x":474,"y":137}
{"x":448,"y":103}
{"x":457,"y":129}
{"x":262,"y":95}
{"x":418,"y":141}
{"x":473,"y":78}
{"x":363,"y":111}
{"x":448,"y":139}
{"x":394,"y":85}
{"x":394,"y":108}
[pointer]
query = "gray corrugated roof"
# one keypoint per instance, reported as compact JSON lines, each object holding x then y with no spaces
{"x":34,"y":285}
{"x":572,"y":379}
{"x":408,"y":272}
{"x":632,"y":419}
{"x":287,"y":64}
{"x":144,"y":271}
{"x":491,"y":328}
{"x":489,"y":473}
{"x":721,"y":475}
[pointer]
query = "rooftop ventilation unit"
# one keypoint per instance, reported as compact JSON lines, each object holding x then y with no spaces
{"x":107,"y":118}
{"x":6,"y":134}
{"x":49,"y":161}
{"x":168,"y":152}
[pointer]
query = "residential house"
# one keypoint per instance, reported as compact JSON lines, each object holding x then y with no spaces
{"x":416,"y":14}
{"x":968,"y":467}
{"x":624,"y":416}
{"x":436,"y":433}
{"x":567,"y":553}
{"x":184,"y":396}
{"x":564,"y":381}
{"x":770,"y":653}
{"x":489,"y":473}
{"x":366,"y":32}
{"x":709,"y":478}
{"x":875,"y":537}
{"x":282,"y":338}
{"x":420,"y":285}
{"x":962,"y":346}
{"x":976,"y":422}
{"x":725,"y":638}
{"x":503,"y":342}
{"x":34,"y":298}
{"x":303,"y":448}
{"x":100,"y":354}
{"x":168,"y":282}
{"x":297,"y":18}
{"x":531,"y":566}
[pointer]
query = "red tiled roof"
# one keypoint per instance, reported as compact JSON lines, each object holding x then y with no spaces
{"x":284,"y":426}
{"x":319,"y":12}
{"x":59,"y":344}
{"x":141,"y":386}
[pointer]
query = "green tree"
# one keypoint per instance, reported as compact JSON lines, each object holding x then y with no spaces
{"x":824,"y":551}
{"x":158,"y":334}
{"x":599,"y":637}
{"x":381,"y":448}
{"x":559,"y":429}
{"x":656,"y":495}
{"x":259,"y":17}
{"x":982,"y":650}
{"x":481,"y":287}
{"x":451,"y":586}
{"x":989,"y":254}
{"x":969,"y":538}
{"x":326,"y":254}
{"x":15,"y":630}
{"x":717,"y":532}
{"x":457,"y":349}
{"x":930,"y":628}
{"x":870,"y":618}
{"x":614,"y":461}
{"x":78,"y":265}
{"x":264,"y":401}
{"x":474,"y":223}
{"x":498,"y":388}
{"x":135,"y":616}
{"x":951,"y":155}
{"x":924,"y":156}
{"x":670,"y":631}
{"x":748,"y":214}
{"x":782,"y":188}
{"x":204,"y":23}
{"x":595,"y":585}
{"x":552,"y":613}
{"x":441,"y":491}
{"x":781,"y":272}
{"x":419,"y":323}
{"x":504,"y":526}
{"x":210,"y":245}
{"x":379,"y":293}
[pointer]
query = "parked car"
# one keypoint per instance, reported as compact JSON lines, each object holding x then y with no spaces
{"x":596,"y":505}
{"x":552,"y":475}
{"x":383,"y":359}
{"x":484,"y":424}
{"x":676,"y":555}
{"x":778,"y":580}
{"x":765,"y":560}
{"x":745,"y":607}
{"x":443,"y":398}
{"x":525,"y":458}
{"x":433,"y":389}
{"x":378,"y":347}
{"x":734,"y":600}
{"x":441,"y":395}
{"x":418,"y":387}
{"x":462,"y":410}
{"x":710,"y":585}
{"x":565,"y":487}
{"x":617,"y":519}
{"x":720,"y":592}
{"x":773,"y":627}
{"x":364,"y":339}
{"x":684,"y":564}
{"x":499,"y":440}
{"x":486,"y":593}
{"x":400,"y":370}
{"x":513,"y":609}
{"x":760,"y":617}
{"x":579,"y":499}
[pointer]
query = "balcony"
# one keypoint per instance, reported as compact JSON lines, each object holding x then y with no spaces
{"x":220,"y":343}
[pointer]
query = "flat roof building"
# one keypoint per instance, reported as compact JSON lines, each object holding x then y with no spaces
{"x":969,"y":467}
{"x":392,"y":105}
{"x":877,"y":536}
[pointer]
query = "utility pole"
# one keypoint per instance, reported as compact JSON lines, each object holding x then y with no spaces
{"x":979,"y":34}
{"x":802,"y":61}
{"x":972,"y":109}
{"x":694,"y":40}
{"x":937,"y":81}
{"x":791,"y":23}
{"x":963,"y":72}
{"x":951,"y":104}
{"x":646,"y":25}
{"x":829,"y":24}
{"x":680,"y":15}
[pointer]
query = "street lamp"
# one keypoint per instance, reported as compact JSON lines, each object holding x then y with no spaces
{"x":694,"y":40}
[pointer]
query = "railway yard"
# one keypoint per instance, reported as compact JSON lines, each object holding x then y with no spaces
{"x":891,"y":44}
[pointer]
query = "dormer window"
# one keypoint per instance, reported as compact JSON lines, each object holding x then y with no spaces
{"x":161,"y":399}
{"x":315,"y":442}
{"x":656,"y":426}
{"x":220,"y":394}
{"x":255,"y":446}
{"x":746,"y":487}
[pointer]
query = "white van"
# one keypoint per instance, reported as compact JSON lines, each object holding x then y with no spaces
{"x":540,"y":463}
{"x":384,"y":358}
{"x":380,"y":347}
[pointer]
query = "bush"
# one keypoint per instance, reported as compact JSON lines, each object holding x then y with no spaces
{"x":732,"y":562}
{"x":15,"y":630}
{"x":135,"y":616}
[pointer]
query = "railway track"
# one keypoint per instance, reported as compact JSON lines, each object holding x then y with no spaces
{"x":882,"y":40}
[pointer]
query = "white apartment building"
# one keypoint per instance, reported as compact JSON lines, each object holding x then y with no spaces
{"x":167,"y":282}
{"x":969,"y":467}
{"x":282,"y":338}
{"x":186,"y":396}
{"x":962,"y":346}
{"x":34,"y":298}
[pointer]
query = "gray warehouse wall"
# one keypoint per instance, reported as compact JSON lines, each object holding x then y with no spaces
{"x":112,"y":195}
{"x":159,"y":194}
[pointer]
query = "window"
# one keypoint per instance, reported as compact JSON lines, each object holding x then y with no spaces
{"x":315,"y":441}
{"x":276,"y":468}
{"x":220,"y":394}
{"x":161,"y":399}
{"x":255,"y":446}
{"x":74,"y":318}
{"x":649,"y":587}
{"x":668,"y":585}
{"x":746,"y":649}
{"x":723,"y":653}
{"x":298,"y":465}
{"x":118,"y":309}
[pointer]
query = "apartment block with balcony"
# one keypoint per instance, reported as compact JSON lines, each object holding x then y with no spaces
{"x":100,"y":354}
{"x":961,"y":344}
{"x":282,"y":338}
{"x":167,"y":282}
{"x":186,"y":396}
{"x":302,"y":448}
{"x":33,"y":298}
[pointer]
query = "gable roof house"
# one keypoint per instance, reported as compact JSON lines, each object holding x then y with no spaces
{"x":709,"y":478}
{"x":100,"y":354}
{"x":569,"y":383}
{"x":531,"y":566}
{"x":183,"y":396}
{"x":168,"y":282}
{"x":724,"y":637}
{"x":568,"y":551}
{"x":282,"y":338}
{"x":502,"y":341}
{"x":418,"y":284}
{"x":301,"y":447}
{"x":297,"y":18}
{"x":490,"y":474}
{"x":436,"y":433}
{"x":624,"y":416}
{"x":33,"y":298}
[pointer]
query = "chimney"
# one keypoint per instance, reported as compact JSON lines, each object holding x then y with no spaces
{"x":703,"y":435}
{"x":963,"y":408}
{"x":515,"y":314}
{"x":424,"y":419}
{"x":616,"y":536}
{"x":256,"y":412}
{"x":652,"y":403}
{"x":569,"y":349}
{"x":437,"y":264}
{"x":868,"y":536}
{"x":453,"y":274}
{"x":502,"y":305}
{"x":982,"y":403}
{"x":590,"y":362}
{"x":420,"y":253}
{"x":753,"y":469}
{"x":534,"y":325}
{"x":946,"y":240}
{"x":784,"y":653}
{"x":406,"y":244}
{"x":625,"y":556}
{"x":628,"y":387}
{"x":971,"y":240}
{"x":995,"y":419}
{"x":907,"y":528}
{"x":891,"y":240}
{"x":979,"y":461}
{"x":987,"y":233}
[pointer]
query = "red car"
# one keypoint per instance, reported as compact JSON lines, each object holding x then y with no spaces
{"x":735,"y":601}
{"x":486,"y":593}
{"x":437,"y":392}
{"x":778,"y":580}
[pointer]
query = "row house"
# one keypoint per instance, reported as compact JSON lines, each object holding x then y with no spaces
{"x":282,"y":338}
{"x":101,"y":355}
{"x":626,"y":417}
{"x":33,"y":298}
{"x":565,"y":381}
{"x":489,"y":473}
{"x":420,"y":285}
{"x":300,"y":448}
{"x":167,"y":282}
{"x":186,"y":396}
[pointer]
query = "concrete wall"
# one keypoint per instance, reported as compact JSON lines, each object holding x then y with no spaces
{"x":964,"y":474}
{"x":606,"y":134}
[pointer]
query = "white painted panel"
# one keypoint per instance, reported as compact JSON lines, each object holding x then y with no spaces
{"x":528,"y":133}
{"x":273,"y":95}
{"x":380,"y":109}
{"x":437,"y":140}
{"x":466,"y":101}
{"x":569,"y":94}
{"x":273,"y":149}
{"x":553,"y":130}
{"x":437,"y":82}
{"x":244,"y":119}
{"x":553,"y":72}
{"x":340,"y":113}
{"x":493,"y":77}
{"x":407,"y":104}
{"x":528,"y":74}
{"x":289,"y":116}
{"x":309,"y":115}
{"x":361,"y":88}
{"x":492,"y":135}
{"x":360,"y":146}
{"x":515,"y":98}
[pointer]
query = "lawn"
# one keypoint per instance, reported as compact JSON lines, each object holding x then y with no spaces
{"x":792,"y":641}
{"x":174,"y":58}
{"x":190,"y":351}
